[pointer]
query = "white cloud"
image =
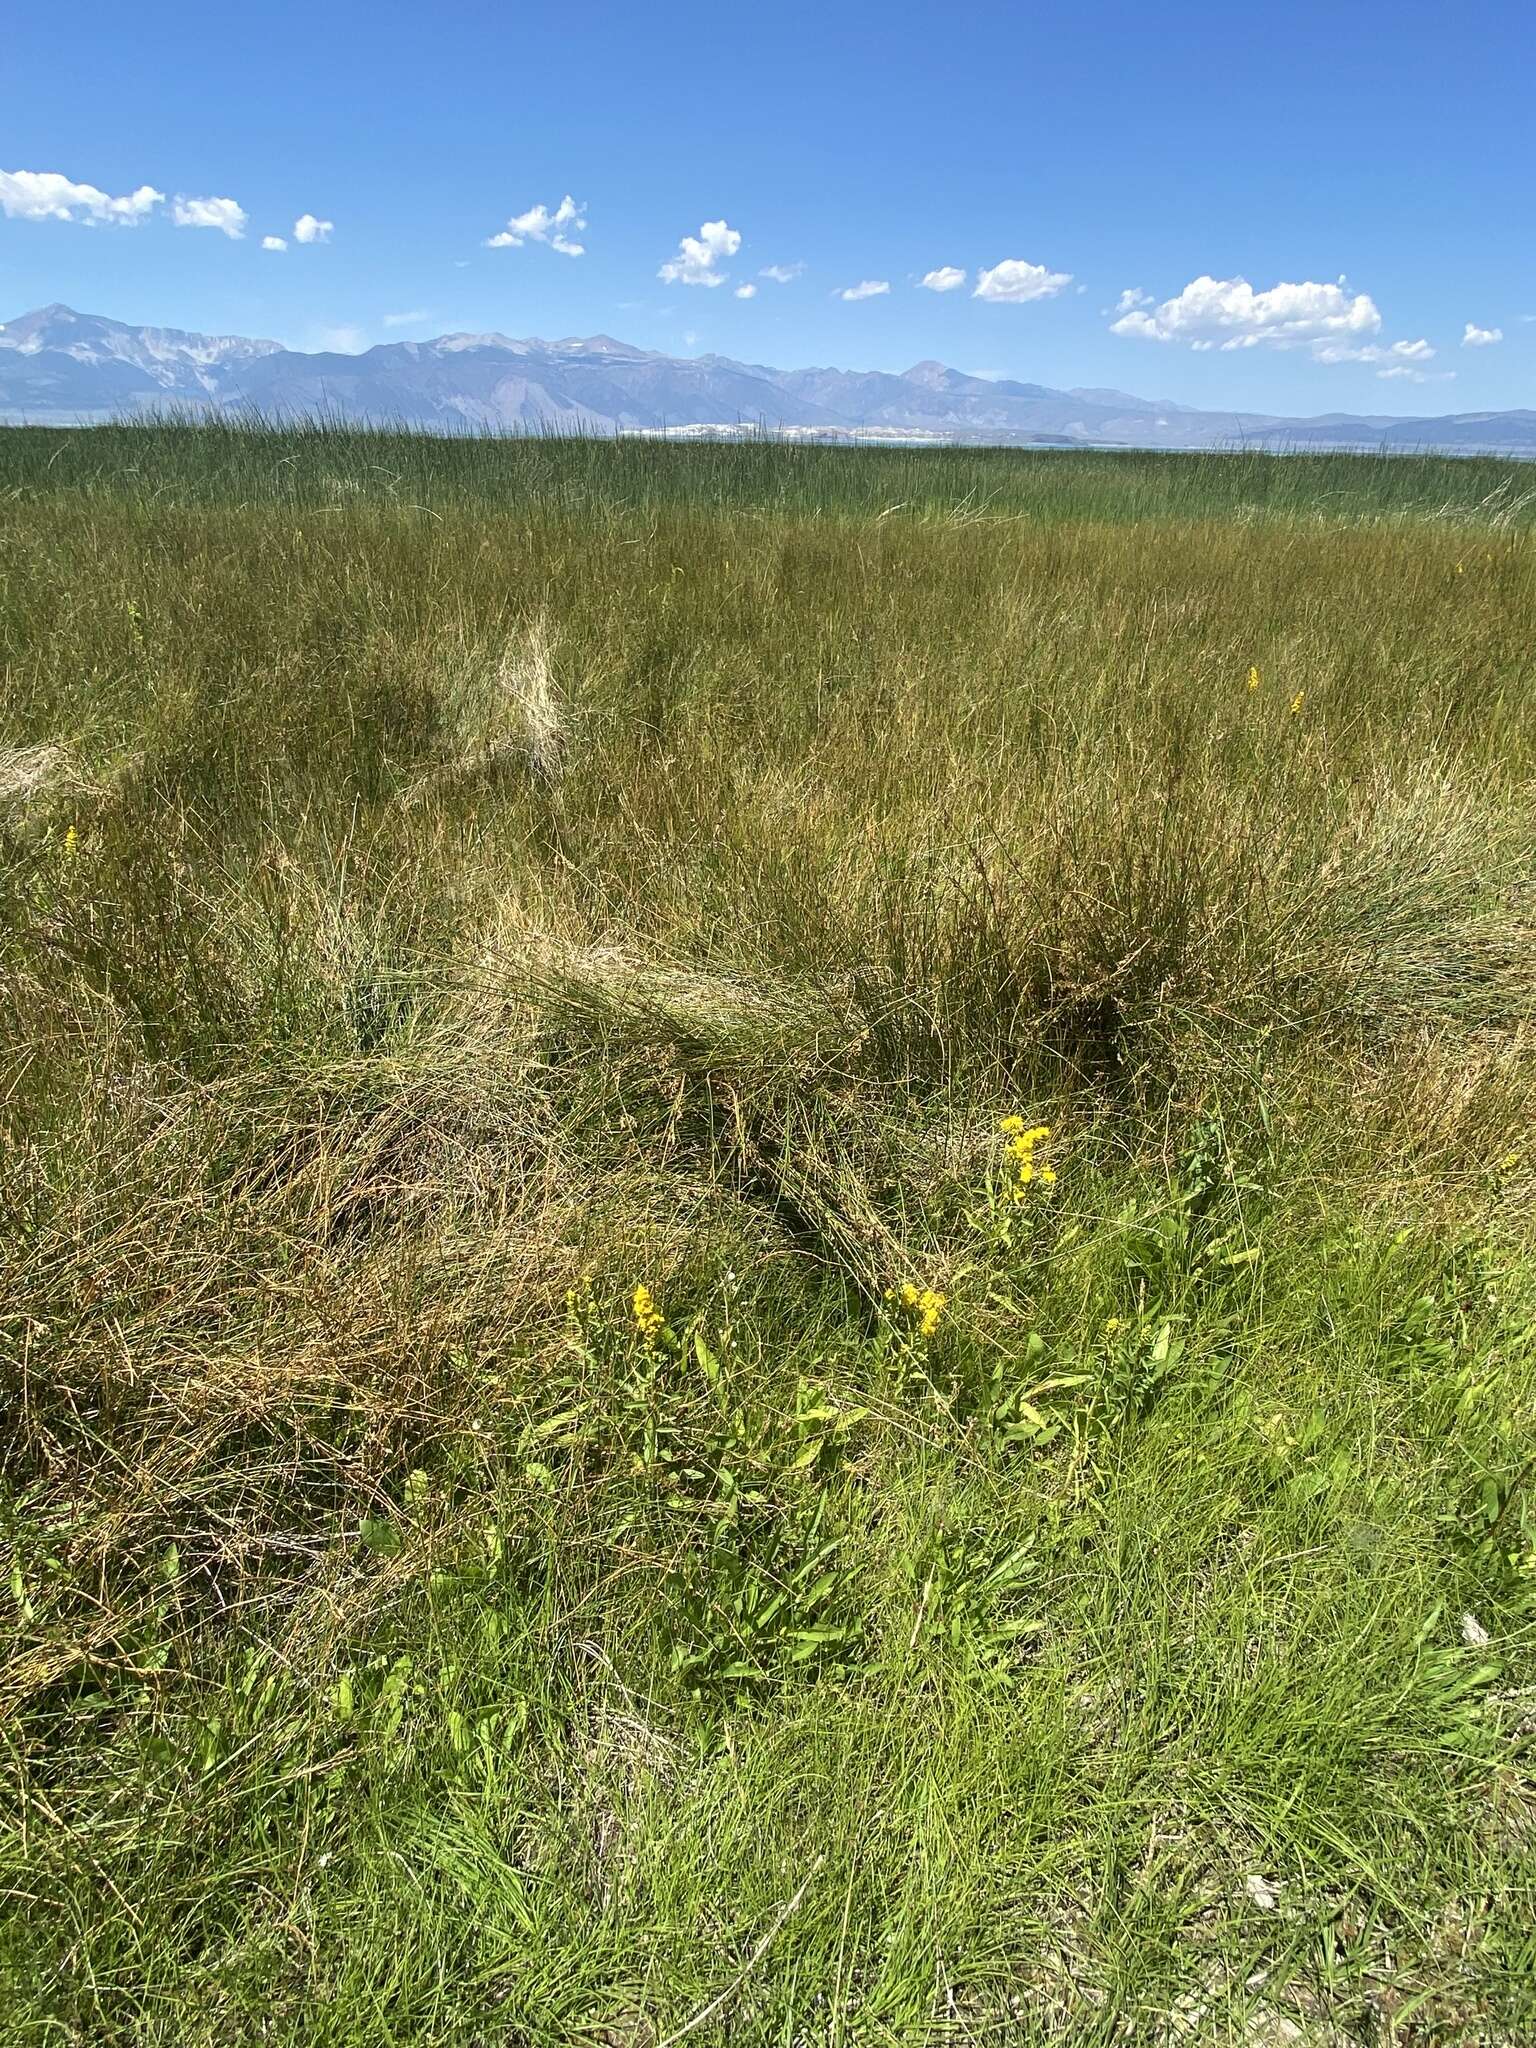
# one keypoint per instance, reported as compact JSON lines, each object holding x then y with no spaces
{"x":946,"y":279}
{"x":538,"y":224}
{"x":1481,"y":337}
{"x":782,"y":273}
{"x":413,"y":319}
{"x":746,"y":291}
{"x":1132,"y":297}
{"x":699,"y":256}
{"x":1014,"y":282}
{"x":275,"y":243}
{"x":1372,"y":352}
{"x":1409,"y":375}
{"x":307,"y":229}
{"x":342,"y":341}
{"x":49,"y":195}
{"x":1227,"y":313}
{"x":866,"y":288}
{"x":222,"y":214}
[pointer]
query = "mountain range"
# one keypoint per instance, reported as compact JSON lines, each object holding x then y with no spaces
{"x":60,"y":367}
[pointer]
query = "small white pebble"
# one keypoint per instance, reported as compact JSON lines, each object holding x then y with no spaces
{"x":1473,"y":1634}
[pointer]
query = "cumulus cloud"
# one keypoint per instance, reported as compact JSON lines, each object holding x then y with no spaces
{"x":781,"y":273}
{"x":866,"y":288}
{"x":275,"y":243}
{"x":945,"y":279}
{"x":746,"y":291}
{"x":538,"y":224}
{"x":1014,"y":282}
{"x":49,"y":195}
{"x":223,"y":214}
{"x":1227,"y":313}
{"x":699,"y":256}
{"x":1132,"y":297}
{"x":307,"y":229}
{"x":1481,"y":337}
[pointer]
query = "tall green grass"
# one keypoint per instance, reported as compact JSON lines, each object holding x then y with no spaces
{"x":253,"y":461}
{"x":447,"y":885}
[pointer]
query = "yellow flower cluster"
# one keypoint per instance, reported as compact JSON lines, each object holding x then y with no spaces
{"x":1297,"y":701}
{"x":648,"y":1317}
{"x":1253,"y":679}
{"x":1020,"y":1153}
{"x":927,"y":1304}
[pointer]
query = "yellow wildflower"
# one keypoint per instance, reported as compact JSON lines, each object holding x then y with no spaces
{"x":648,"y":1317}
{"x":1297,"y":701}
{"x":1020,"y":1150}
{"x":71,"y":843}
{"x":1253,"y":679}
{"x":925,"y":1304}
{"x":931,"y":1305}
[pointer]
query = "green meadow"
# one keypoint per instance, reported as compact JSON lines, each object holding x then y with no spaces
{"x":766,"y":1257}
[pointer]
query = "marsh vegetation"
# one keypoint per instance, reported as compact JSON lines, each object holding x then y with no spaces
{"x":561,"y":1482}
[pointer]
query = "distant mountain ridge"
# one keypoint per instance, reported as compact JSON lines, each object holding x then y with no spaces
{"x":61,"y":367}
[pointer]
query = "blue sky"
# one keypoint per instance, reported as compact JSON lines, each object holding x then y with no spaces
{"x":1060,"y":157}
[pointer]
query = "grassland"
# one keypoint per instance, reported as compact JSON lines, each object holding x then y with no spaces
{"x":447,"y":887}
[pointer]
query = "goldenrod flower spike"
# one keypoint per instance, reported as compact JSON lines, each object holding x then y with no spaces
{"x":926,"y":1304}
{"x":648,"y":1317}
{"x":1020,"y":1149}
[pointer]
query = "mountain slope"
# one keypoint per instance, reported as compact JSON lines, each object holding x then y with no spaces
{"x":58,"y":366}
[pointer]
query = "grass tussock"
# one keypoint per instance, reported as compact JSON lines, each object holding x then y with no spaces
{"x":765,"y":1267}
